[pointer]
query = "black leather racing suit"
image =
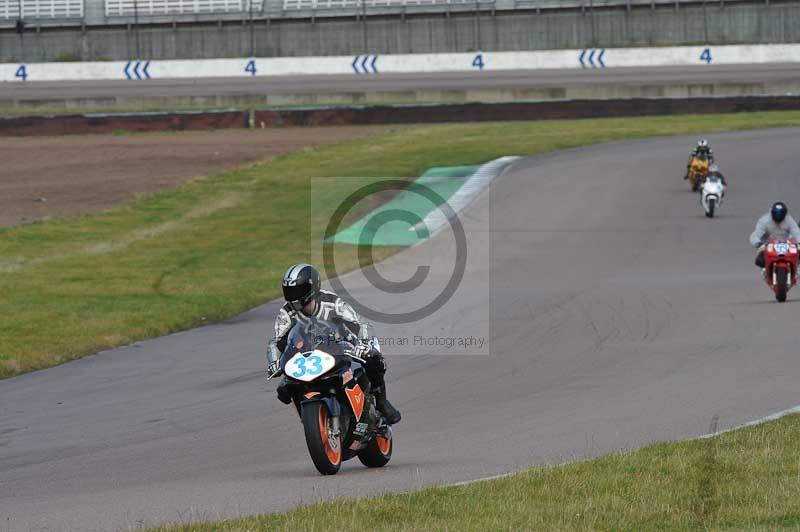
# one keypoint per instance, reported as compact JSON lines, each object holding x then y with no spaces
{"x":702,"y":150}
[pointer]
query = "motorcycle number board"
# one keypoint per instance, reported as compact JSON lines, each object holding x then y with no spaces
{"x":309,"y":365}
{"x":782,"y":248}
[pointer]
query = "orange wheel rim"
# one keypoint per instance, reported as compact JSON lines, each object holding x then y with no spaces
{"x":384,"y":444}
{"x":329,"y":441}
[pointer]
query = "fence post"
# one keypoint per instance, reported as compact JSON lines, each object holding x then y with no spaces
{"x":20,"y":27}
{"x":364,"y":25}
{"x":136,"y":29}
{"x":705,"y":22}
{"x":252,"y":30}
{"x":21,"y":32}
{"x":477,"y":25}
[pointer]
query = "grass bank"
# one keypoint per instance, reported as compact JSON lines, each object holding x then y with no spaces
{"x":217,"y":246}
{"x":742,"y":480}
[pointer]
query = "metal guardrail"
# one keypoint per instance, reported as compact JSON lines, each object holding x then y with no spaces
{"x":348,"y":8}
{"x":116,"y":8}
{"x":117,"y":12}
{"x":316,"y":5}
{"x":590,"y":4}
{"x":41,"y":9}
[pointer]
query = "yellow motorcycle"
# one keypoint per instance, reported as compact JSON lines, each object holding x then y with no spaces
{"x":698,"y":171}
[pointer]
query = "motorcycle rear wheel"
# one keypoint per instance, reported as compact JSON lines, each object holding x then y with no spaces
{"x":378,"y":452}
{"x":324,"y":447}
{"x":781,"y":285}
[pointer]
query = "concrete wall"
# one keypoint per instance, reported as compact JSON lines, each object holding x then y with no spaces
{"x":776,"y":22}
{"x":747,"y":54}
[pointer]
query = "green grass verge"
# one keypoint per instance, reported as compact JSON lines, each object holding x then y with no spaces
{"x":743,"y":480}
{"x":217,"y":246}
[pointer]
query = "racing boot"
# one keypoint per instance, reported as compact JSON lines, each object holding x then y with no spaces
{"x":283,"y":393}
{"x":389,"y":412}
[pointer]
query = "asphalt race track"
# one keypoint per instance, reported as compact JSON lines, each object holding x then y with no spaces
{"x":620,"y":316}
{"x":458,"y":81}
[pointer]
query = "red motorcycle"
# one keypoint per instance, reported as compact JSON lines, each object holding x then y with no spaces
{"x":780,"y":266}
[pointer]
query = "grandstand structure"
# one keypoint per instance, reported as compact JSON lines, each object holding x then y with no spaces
{"x":42,"y":13}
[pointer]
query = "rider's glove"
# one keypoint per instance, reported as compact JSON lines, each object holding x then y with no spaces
{"x":273,"y":359}
{"x":273,"y":370}
{"x":362,"y":350}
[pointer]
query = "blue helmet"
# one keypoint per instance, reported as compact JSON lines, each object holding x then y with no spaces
{"x":778,"y":211}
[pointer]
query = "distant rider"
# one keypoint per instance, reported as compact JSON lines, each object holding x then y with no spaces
{"x":702,"y":149}
{"x":776,"y":223}
{"x":713,"y":171}
{"x":301,"y":290}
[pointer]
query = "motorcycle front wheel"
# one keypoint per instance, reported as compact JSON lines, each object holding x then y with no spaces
{"x":324,"y":446}
{"x":781,"y":285}
{"x":712,"y":203}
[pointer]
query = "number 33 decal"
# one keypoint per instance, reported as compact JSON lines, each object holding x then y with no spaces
{"x":302,"y":366}
{"x":308,"y":366}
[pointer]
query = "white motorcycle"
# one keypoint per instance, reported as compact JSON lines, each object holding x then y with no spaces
{"x":711,"y":194}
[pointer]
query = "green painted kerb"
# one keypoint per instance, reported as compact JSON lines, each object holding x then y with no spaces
{"x":444,"y":181}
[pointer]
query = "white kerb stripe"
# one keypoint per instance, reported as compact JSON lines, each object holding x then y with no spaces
{"x":475,"y":184}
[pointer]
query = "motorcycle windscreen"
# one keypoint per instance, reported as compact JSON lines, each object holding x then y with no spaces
{"x":311,"y":349}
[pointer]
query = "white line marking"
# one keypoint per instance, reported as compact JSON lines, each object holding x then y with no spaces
{"x":771,"y":417}
{"x":760,"y":421}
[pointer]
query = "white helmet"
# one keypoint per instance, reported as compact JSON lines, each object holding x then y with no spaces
{"x":702,"y":143}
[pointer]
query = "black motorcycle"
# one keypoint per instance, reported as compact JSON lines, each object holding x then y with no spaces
{"x":329,"y":387}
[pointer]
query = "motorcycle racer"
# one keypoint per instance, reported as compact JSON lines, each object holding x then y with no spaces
{"x":776,"y":223}
{"x":301,"y":290}
{"x":714,"y":171}
{"x":701,"y":150}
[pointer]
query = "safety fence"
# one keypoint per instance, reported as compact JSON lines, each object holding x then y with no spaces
{"x":41,"y":9}
{"x":180,"y":29}
{"x":111,"y":12}
{"x":333,"y":5}
{"x":145,"y":8}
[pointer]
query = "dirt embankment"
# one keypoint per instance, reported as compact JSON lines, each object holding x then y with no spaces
{"x":44,"y":177}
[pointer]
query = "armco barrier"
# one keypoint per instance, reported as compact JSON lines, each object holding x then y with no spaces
{"x":397,"y":114}
{"x":142,"y":70}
